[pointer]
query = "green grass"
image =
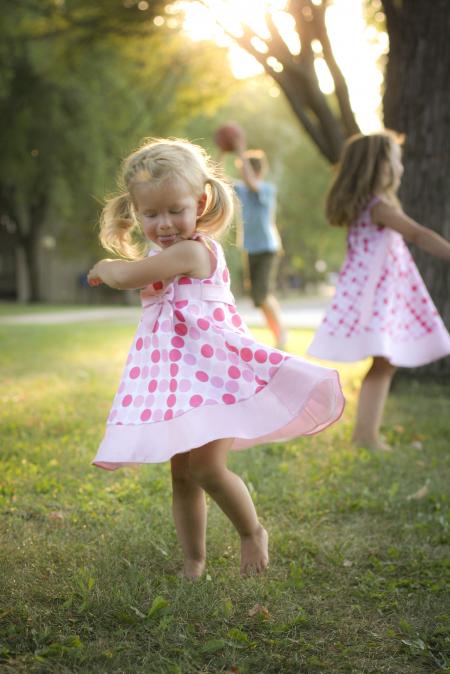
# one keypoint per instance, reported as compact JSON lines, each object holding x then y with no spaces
{"x":90,"y":561}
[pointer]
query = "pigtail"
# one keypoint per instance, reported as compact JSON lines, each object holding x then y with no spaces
{"x":219,"y":207}
{"x":119,"y":227}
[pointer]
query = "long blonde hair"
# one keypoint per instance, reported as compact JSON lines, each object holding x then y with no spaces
{"x":154,"y":162}
{"x":361,"y":174}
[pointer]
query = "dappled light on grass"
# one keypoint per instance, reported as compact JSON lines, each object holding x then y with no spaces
{"x":91,"y":563}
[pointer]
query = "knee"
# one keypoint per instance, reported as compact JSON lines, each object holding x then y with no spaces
{"x":207,"y":476}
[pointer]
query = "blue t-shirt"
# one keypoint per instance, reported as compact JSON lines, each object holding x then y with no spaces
{"x":258,"y":215}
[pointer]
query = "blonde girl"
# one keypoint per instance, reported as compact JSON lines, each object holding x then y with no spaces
{"x":196,"y":385}
{"x":381,"y":308}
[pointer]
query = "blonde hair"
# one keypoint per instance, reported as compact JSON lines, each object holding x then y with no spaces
{"x":155,"y":162}
{"x":361,"y":174}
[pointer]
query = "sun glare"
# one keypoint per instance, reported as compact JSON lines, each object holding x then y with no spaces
{"x":357,"y":47}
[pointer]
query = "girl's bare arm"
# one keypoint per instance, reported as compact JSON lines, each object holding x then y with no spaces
{"x":184,"y":257}
{"x":423,"y":237}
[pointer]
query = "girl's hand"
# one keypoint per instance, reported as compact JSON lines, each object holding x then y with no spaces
{"x":102,"y":272}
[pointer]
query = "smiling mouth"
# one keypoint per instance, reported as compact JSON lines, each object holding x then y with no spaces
{"x":167,"y":238}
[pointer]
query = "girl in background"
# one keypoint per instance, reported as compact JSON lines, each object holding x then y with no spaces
{"x":381,"y":307}
{"x":196,"y":384}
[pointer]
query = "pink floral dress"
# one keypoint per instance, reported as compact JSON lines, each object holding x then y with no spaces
{"x":381,"y":306}
{"x":195,"y":374}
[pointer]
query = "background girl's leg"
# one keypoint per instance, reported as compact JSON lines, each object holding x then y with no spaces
{"x":189,"y":514}
{"x":208,"y":468}
{"x":371,"y":402}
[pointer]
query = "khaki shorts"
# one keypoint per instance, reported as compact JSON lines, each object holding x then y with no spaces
{"x":263,"y":268}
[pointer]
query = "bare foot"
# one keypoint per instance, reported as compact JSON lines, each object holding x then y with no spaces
{"x":379,"y":445}
{"x":254,"y":552}
{"x":193,"y":569}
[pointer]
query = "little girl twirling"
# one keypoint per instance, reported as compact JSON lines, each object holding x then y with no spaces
{"x":381,"y":307}
{"x":196,"y":384}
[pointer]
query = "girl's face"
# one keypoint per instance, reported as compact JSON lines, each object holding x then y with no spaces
{"x":168,"y":212}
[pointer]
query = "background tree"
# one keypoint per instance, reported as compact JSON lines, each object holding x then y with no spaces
{"x":77,"y":90}
{"x":416,"y":102}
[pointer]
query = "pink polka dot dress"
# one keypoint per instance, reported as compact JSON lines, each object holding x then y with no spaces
{"x":381,"y":306}
{"x":195,"y":374}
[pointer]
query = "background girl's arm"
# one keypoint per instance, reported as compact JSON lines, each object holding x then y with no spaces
{"x":184,"y":257}
{"x":423,"y":237}
{"x":245,"y":168}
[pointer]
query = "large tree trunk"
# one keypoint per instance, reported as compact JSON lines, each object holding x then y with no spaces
{"x":417,"y":103}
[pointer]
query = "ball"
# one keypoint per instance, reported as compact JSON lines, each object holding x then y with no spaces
{"x":228,"y":135}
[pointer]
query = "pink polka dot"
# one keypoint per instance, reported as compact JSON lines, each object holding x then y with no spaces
{"x":152,"y":386}
{"x":135,"y":372}
{"x":181,"y":303}
{"x":260,"y":356}
{"x":145,"y":415}
{"x":127,"y":401}
{"x":175,"y":355}
{"x":232,"y":386}
{"x":156,"y":356}
{"x":220,"y":354}
{"x":184,"y":281}
{"x":225,"y":275}
{"x":173,"y":385}
{"x":181,"y":329}
{"x":157,"y":415}
{"x":179,"y":316}
{"x":196,"y":401}
{"x":219,"y":314}
{"x":234,"y":372}
{"x":155,"y":340}
{"x":201,"y":375}
{"x":232,"y":348}
{"x":164,"y":356}
{"x":207,"y":350}
{"x":168,"y":414}
{"x":275,"y":358}
{"x":171,"y":400}
{"x":236,"y":320}
{"x":194,"y":333}
{"x":259,"y":388}
{"x":150,"y":399}
{"x":139,"y":344}
{"x":232,"y":309}
{"x":138,"y":401}
{"x":158,"y":285}
{"x":145,"y":372}
{"x":154,"y":371}
{"x":217,"y":382}
{"x":189,"y":359}
{"x":228,"y":399}
{"x":233,"y":358}
{"x":163,"y":385}
{"x":246,"y":354}
{"x":147,"y":341}
{"x":260,"y":381}
{"x":194,"y":310}
{"x":185,"y":385}
{"x":203,"y":323}
{"x":174,"y":370}
{"x":178,"y":342}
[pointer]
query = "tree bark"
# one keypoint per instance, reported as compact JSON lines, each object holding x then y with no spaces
{"x":417,"y":103}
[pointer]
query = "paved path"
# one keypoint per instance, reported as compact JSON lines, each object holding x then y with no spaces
{"x":297,"y":313}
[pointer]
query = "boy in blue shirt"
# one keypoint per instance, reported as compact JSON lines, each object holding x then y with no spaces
{"x":261,"y":238}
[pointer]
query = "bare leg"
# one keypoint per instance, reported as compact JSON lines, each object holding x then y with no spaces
{"x":272,"y":312}
{"x":189,"y":514}
{"x":372,"y":399}
{"x":208,"y":468}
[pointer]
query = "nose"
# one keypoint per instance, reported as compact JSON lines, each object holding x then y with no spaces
{"x":164,"y":220}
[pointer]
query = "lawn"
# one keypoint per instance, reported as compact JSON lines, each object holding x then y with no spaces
{"x":90,"y":561}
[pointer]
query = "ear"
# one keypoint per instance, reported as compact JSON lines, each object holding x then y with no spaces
{"x":201,"y":205}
